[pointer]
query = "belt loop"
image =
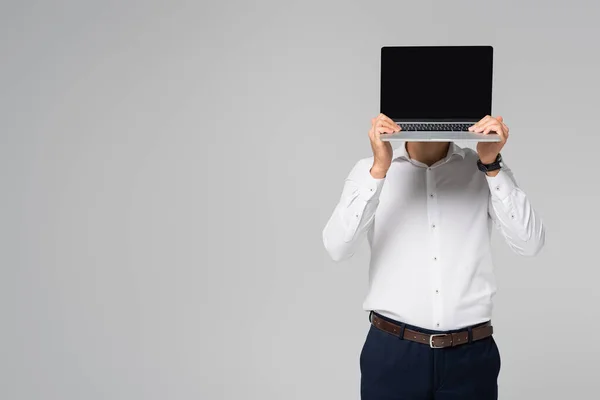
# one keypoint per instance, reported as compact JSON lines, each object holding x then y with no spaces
{"x":402,"y":326}
{"x":370,"y":316}
{"x":470,"y":332}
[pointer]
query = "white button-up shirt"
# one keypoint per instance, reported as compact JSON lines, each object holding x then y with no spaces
{"x":429,"y":230}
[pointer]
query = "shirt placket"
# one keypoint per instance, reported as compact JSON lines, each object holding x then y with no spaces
{"x":436,"y":260}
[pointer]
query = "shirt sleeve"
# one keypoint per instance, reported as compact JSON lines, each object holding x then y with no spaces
{"x":354,"y":213}
{"x":513,"y":215}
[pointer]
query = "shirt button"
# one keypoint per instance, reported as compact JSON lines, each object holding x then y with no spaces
{"x":497,"y":187}
{"x":433,"y":225}
{"x":438,"y":324}
{"x":371,"y":190}
{"x":434,"y":258}
{"x":437,"y":291}
{"x":431,"y":195}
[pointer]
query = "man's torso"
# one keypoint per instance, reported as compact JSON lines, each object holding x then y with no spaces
{"x":430,"y":244}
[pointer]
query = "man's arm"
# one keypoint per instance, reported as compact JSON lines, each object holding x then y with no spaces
{"x":512,"y":214}
{"x":355,"y":212}
{"x":508,"y":206}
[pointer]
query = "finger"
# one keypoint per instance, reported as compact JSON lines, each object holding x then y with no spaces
{"x":479,"y":123}
{"x":505,"y":130}
{"x":387,"y":124}
{"x":390,"y":123}
{"x":503,"y":135}
{"x":493,"y":127}
{"x":383,"y":117}
{"x":375,"y":121}
{"x":483,"y":126}
{"x":383,"y":130}
{"x":499,"y":129}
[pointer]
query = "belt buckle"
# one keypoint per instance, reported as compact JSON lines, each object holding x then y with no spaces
{"x":431,"y":340}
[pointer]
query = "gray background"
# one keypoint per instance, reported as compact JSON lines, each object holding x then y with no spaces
{"x":167,"y":168}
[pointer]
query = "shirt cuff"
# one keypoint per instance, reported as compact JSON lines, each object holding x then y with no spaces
{"x":369,"y":187}
{"x":501,"y":186}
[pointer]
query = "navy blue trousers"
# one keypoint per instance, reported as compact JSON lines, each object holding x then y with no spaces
{"x":398,"y":369}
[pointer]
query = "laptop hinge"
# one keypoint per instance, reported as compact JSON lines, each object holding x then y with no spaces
{"x":435,"y":121}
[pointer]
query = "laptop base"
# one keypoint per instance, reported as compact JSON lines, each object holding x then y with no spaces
{"x":439,"y":136}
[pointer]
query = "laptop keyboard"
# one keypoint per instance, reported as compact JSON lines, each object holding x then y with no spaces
{"x":435,"y":127}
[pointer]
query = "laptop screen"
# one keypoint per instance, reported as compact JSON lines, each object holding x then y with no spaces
{"x":436,"y":83}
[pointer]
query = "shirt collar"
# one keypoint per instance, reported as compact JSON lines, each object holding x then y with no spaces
{"x":401,"y":153}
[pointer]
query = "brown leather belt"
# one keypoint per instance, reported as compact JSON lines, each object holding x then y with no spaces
{"x":435,"y":341}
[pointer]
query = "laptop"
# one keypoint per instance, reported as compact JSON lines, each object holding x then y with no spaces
{"x":435,"y":93}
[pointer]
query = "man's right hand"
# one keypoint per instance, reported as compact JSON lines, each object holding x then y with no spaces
{"x":382,"y":151}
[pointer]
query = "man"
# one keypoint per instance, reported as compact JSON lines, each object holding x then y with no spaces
{"x":427,"y":211}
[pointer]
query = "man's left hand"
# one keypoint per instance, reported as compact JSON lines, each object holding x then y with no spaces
{"x":488,"y":151}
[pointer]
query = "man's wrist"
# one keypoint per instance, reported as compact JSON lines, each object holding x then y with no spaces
{"x":378,"y":172}
{"x":490,"y":167}
{"x":488,"y":160}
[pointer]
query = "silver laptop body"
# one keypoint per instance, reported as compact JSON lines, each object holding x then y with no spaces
{"x":436,"y":92}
